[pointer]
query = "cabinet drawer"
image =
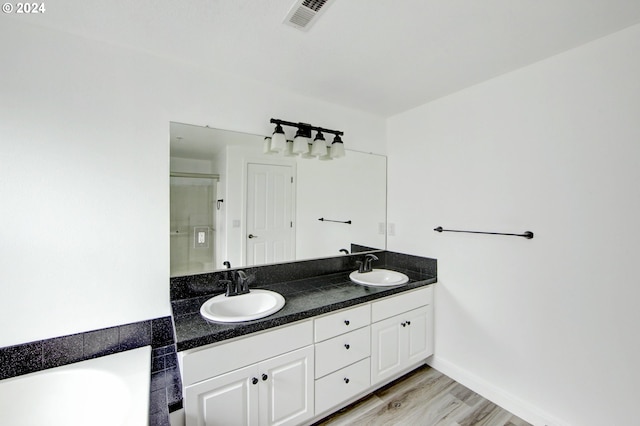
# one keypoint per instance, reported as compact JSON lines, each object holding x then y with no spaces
{"x":342,"y":350}
{"x":203,"y":363}
{"x":338,"y":387}
{"x":404,"y":302}
{"x":342,"y":322}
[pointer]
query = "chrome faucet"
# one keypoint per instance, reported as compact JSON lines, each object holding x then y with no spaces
{"x":365,"y":265}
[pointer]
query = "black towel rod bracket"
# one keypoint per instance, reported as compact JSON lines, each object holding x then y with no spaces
{"x":528,"y":234}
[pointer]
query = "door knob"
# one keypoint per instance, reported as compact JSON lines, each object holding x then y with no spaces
{"x":253,"y":236}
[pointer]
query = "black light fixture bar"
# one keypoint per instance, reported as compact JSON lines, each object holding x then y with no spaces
{"x":306,"y":126}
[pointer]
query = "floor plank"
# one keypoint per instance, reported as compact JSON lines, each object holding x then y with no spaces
{"x":424,"y":397}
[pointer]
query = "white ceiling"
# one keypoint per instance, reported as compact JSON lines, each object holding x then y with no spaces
{"x":380,"y":56}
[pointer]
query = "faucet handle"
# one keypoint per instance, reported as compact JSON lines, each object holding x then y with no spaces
{"x":229,"y":287}
{"x":223,"y":283}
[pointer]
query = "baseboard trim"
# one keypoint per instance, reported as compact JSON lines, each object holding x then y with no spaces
{"x":515,"y":405}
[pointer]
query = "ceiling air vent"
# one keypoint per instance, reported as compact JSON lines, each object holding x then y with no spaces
{"x":304,"y":13}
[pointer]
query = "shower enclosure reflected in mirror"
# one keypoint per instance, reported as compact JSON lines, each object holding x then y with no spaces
{"x":232,"y":203}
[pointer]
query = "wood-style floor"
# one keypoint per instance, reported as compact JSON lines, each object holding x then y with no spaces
{"x":423,"y":397}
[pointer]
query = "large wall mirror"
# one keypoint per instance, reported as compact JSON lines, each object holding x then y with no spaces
{"x":232,"y":203}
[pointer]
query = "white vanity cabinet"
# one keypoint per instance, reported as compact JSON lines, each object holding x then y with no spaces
{"x":271,"y":390}
{"x":401,"y":333}
{"x":299,"y":373}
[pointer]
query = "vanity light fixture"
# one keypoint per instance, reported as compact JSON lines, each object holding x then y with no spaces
{"x":302,"y":144}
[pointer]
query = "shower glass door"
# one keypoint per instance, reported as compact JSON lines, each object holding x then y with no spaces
{"x":192,"y":232}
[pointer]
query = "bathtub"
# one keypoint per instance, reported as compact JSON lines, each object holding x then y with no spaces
{"x":110,"y":390}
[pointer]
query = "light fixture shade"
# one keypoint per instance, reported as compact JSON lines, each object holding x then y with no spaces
{"x":308,"y":153}
{"x":300,"y":143}
{"x":278,"y":139}
{"x":266,"y":146}
{"x":288,"y":149}
{"x":327,"y":156}
{"x":319,"y":147}
{"x":337,"y":148}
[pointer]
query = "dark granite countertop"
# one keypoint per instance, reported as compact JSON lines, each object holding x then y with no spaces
{"x":305,"y":298}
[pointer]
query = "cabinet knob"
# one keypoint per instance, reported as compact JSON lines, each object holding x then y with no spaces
{"x":264,"y":377}
{"x":346,"y":322}
{"x":346,"y":346}
{"x":404,"y":324}
{"x":254,"y":381}
{"x":346,"y":380}
{"x":408,"y":322}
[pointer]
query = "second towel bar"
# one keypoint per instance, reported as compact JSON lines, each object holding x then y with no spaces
{"x":528,"y":234}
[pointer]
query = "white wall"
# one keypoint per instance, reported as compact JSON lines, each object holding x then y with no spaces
{"x":354,"y":188}
{"x":84,"y":175}
{"x":547,"y":327}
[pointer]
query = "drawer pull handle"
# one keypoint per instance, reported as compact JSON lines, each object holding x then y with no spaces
{"x":254,"y":381}
{"x":346,"y":346}
{"x":264,"y":377}
{"x":346,"y":322}
{"x":346,"y":380}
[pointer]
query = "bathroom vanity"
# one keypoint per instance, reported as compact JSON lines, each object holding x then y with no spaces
{"x":333,"y":343}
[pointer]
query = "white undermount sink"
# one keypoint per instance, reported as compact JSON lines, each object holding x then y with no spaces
{"x":379,"y":278}
{"x":245,"y":307}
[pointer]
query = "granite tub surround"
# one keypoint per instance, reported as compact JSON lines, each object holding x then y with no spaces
{"x":311,"y":288}
{"x":165,"y":386}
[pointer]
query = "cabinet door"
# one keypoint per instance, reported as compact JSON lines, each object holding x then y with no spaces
{"x":418,"y":329}
{"x":229,"y":399}
{"x":286,"y":388}
{"x":399,"y":342}
{"x":388,"y":348}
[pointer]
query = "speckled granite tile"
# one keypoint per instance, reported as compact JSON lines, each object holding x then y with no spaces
{"x":161,"y":332}
{"x":158,"y":380}
{"x":20,"y":359}
{"x":135,"y":335}
{"x":62,"y":350}
{"x":159,"y":419}
{"x":101,"y":342}
{"x":158,"y":401}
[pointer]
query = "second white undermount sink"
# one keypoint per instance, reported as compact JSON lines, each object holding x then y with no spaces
{"x":379,"y":278}
{"x":245,"y":307}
